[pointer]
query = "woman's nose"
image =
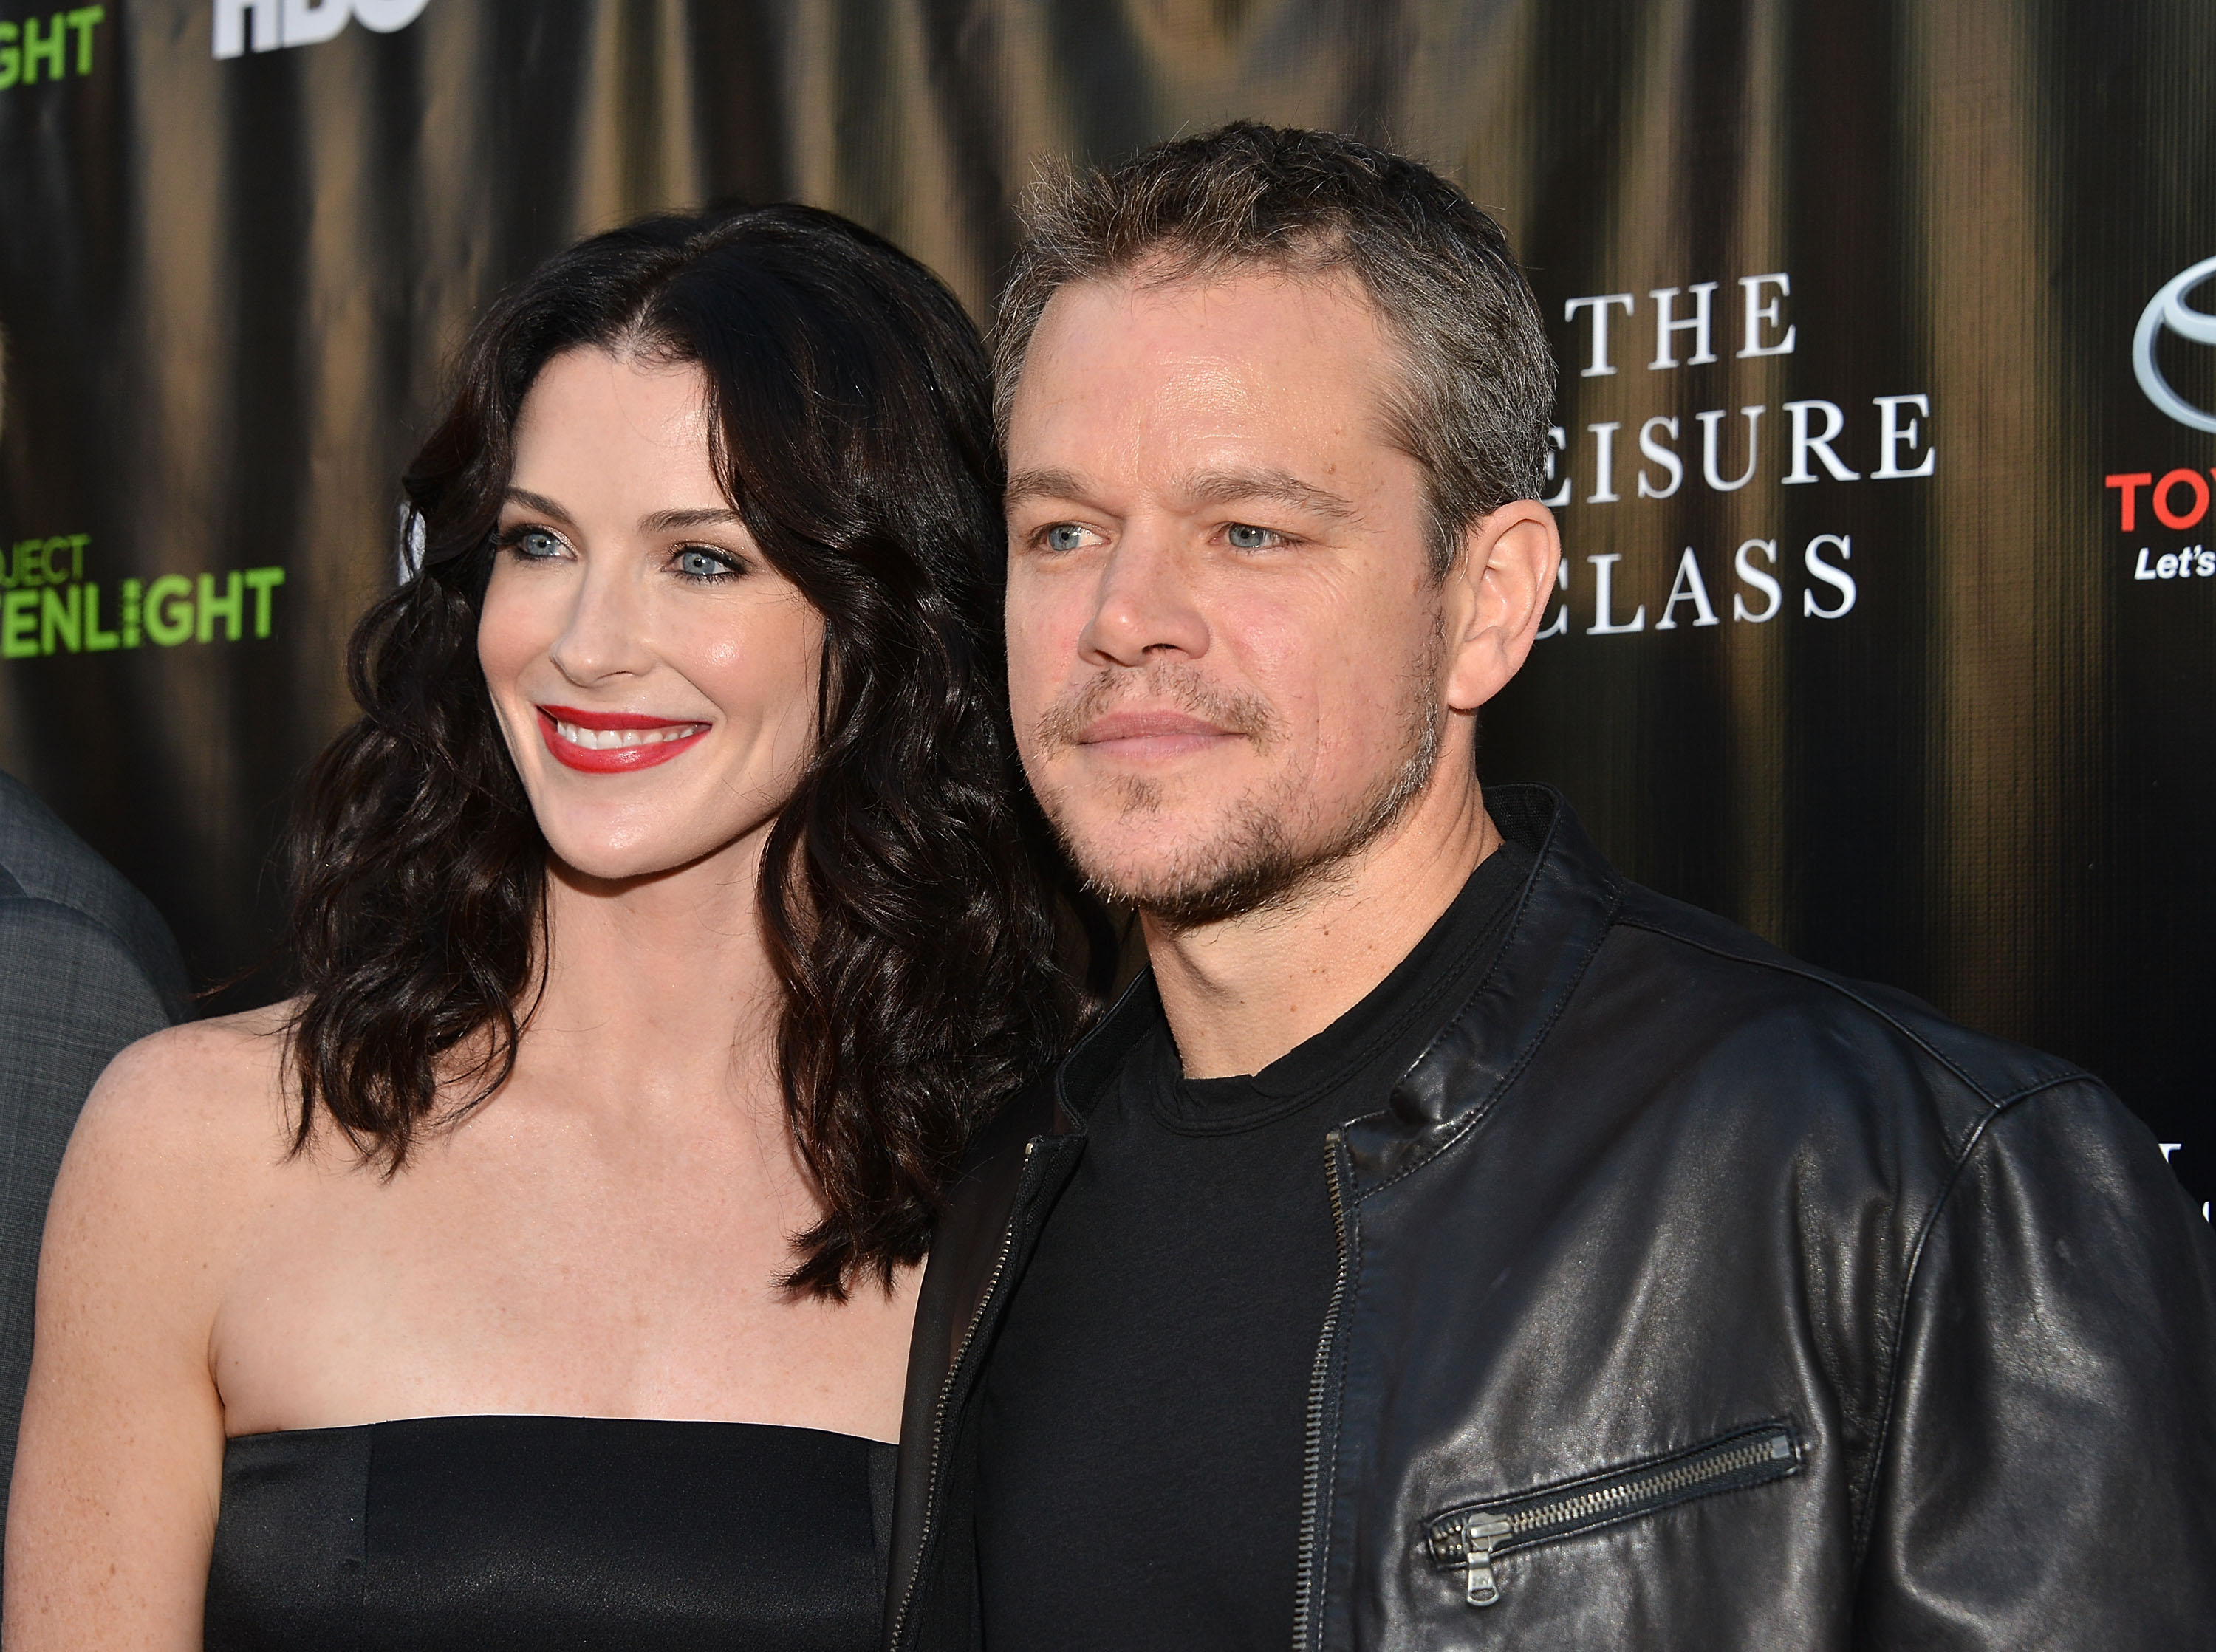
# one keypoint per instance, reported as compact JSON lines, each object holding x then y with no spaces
{"x":606,"y":633}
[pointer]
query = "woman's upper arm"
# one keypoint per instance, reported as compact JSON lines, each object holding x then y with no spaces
{"x":119,"y":1463}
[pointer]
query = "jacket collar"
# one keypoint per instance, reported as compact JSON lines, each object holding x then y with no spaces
{"x":1085,"y":1071}
{"x":1565,"y":907}
{"x":1568,"y":903}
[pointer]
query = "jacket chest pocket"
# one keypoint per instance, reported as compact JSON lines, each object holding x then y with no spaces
{"x":1468,"y":1537}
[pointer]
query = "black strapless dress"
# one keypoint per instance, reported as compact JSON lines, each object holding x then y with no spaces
{"x":550,"y":1533}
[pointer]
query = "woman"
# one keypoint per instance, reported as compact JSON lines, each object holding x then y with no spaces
{"x":663,"y":925}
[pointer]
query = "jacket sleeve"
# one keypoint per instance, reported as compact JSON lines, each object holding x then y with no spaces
{"x":72,"y":994}
{"x":2047,"y":1475}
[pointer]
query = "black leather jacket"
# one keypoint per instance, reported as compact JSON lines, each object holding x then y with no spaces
{"x":1690,"y":1298}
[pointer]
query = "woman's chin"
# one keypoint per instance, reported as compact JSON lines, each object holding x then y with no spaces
{"x":614,"y":861}
{"x":609,"y":866}
{"x":613,"y":873}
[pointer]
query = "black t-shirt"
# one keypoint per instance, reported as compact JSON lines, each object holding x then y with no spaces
{"x":1144,"y":1411}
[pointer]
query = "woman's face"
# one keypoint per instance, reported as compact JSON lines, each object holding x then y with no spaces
{"x":655,"y":677}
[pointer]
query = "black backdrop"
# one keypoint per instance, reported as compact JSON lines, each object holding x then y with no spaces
{"x":1949,"y":726}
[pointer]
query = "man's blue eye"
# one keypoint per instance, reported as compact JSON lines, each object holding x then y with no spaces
{"x":1244,"y":537}
{"x":1064,"y":536}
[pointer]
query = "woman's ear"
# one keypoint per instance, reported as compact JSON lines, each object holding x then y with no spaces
{"x":1497,"y":596}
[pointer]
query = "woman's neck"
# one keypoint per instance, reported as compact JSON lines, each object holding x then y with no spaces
{"x":659,"y":991}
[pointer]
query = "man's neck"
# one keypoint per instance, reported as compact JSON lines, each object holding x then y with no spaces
{"x":1241,"y":993}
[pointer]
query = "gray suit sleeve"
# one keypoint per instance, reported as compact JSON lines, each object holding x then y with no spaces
{"x":72,"y":994}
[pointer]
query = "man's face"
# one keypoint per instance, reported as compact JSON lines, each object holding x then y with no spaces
{"x":1225,"y":638}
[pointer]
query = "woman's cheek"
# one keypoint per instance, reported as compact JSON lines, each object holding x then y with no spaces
{"x":505,"y":641}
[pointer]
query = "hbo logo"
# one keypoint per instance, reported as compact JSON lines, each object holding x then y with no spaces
{"x":272,"y":23}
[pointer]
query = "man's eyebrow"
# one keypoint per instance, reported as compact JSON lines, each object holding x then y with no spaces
{"x":1278,"y":487}
{"x":1026,"y":485}
{"x":713,"y":516}
{"x":1203,"y":488}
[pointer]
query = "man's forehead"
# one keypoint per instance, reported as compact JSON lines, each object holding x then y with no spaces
{"x":1257,"y":384}
{"x":1205,"y":367}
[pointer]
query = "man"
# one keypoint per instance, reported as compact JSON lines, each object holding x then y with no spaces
{"x":1445,"y":1243}
{"x":86,"y":967}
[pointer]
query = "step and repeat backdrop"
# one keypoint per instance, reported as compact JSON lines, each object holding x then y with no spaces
{"x":1883,"y":459}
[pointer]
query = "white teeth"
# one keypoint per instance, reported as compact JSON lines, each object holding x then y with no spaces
{"x":608,"y":740}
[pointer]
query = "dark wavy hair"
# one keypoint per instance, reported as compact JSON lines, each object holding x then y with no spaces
{"x":909,"y":889}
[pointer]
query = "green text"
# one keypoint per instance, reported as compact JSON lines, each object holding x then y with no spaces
{"x":31,"y":45}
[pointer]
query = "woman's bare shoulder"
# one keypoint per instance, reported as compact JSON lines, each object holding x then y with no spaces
{"x":181,"y":1150}
{"x":206,"y":1098}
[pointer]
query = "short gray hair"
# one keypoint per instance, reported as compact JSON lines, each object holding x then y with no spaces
{"x":1479,"y":389}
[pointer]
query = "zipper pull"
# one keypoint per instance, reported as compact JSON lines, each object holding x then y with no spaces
{"x":1479,"y":1533}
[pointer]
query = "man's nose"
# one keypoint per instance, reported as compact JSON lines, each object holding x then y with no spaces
{"x":1145,"y":606}
{"x":607,"y":632}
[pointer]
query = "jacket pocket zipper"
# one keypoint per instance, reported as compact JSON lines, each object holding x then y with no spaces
{"x":1467,"y":1539}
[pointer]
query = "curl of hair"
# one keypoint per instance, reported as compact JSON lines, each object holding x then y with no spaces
{"x":915,"y":910}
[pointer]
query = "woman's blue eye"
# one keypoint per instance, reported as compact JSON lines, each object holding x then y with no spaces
{"x":703,"y":565}
{"x":1065,"y":535}
{"x":1245,"y":537}
{"x":537,"y":544}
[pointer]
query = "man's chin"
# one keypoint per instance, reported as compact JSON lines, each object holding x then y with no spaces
{"x":1181,"y":902}
{"x":1240,"y":858}
{"x":1245,"y":868}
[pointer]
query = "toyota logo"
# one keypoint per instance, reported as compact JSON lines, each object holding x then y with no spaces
{"x":2167,"y":309}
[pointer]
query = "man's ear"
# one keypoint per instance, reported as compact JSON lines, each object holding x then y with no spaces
{"x":1498,"y":590}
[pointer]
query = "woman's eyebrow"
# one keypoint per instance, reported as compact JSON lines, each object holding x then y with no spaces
{"x":538,"y":502}
{"x":712,"y":516}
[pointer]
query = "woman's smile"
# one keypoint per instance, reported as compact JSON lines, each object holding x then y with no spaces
{"x":613,"y":742}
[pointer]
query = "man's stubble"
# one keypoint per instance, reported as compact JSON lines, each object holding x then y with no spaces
{"x":1253,"y":862}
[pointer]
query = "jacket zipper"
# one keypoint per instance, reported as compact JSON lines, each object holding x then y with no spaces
{"x":946,"y":1393}
{"x":1467,"y":1539}
{"x":1312,"y":1472}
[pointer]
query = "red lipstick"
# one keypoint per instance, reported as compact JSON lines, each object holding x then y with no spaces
{"x":613,"y":742}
